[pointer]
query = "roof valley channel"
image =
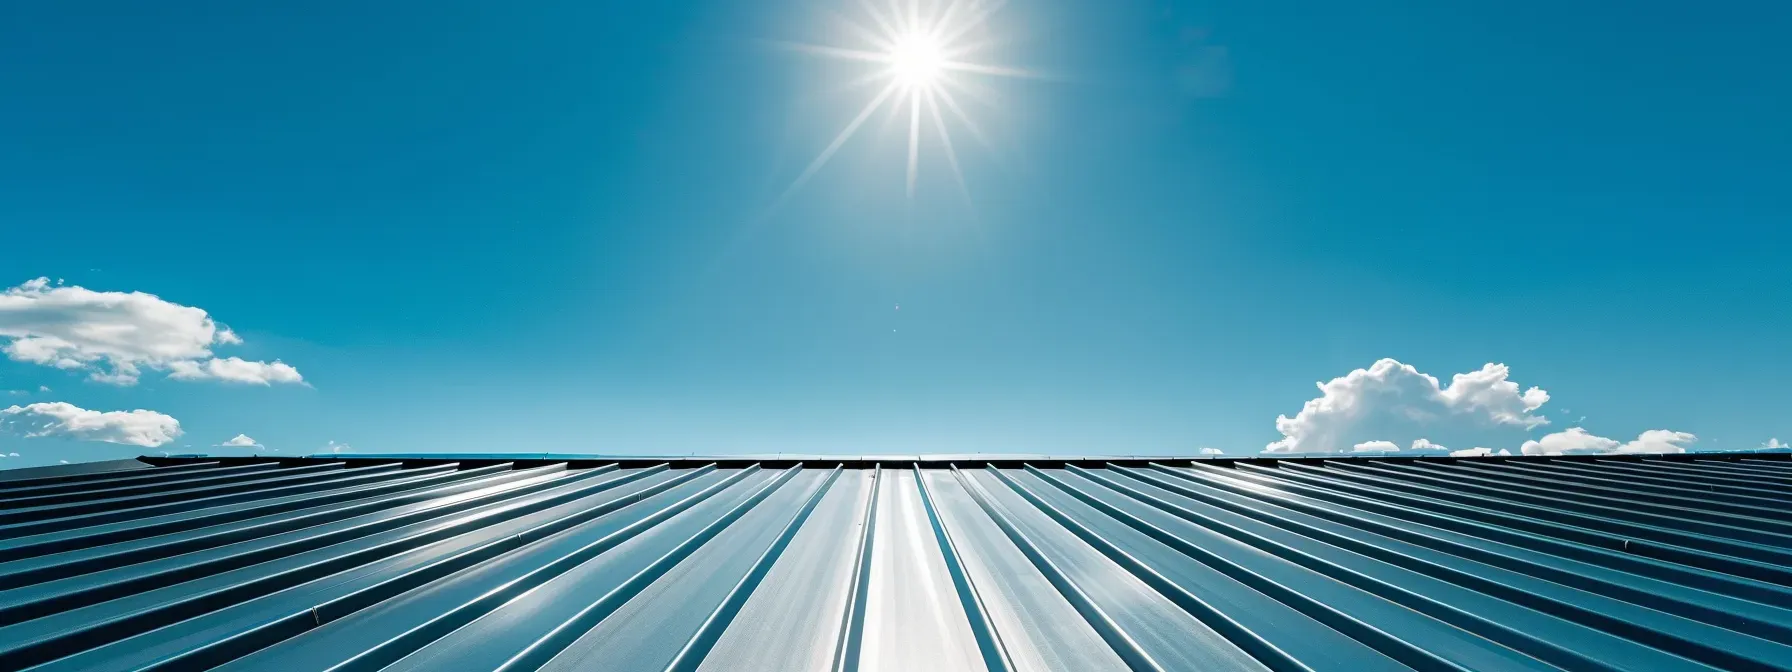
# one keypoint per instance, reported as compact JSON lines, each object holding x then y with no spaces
{"x":795,"y":618}
{"x":913,"y":619}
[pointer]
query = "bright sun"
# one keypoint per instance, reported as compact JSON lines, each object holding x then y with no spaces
{"x":915,"y":59}
{"x":926,"y":50}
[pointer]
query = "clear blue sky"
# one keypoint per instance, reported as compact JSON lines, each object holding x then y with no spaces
{"x":544,"y":226}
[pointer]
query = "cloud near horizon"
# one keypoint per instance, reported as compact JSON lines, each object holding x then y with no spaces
{"x":1362,"y":410}
{"x":1479,"y":452}
{"x":114,"y":336}
{"x":1576,"y":440}
{"x":148,"y":429}
{"x":240,"y":441}
{"x":1389,"y":393}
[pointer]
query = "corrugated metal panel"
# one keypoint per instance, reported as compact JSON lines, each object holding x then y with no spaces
{"x":568,"y":562}
{"x":65,"y":472}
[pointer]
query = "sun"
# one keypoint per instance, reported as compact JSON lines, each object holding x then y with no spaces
{"x":915,"y":60}
{"x":928,"y":54}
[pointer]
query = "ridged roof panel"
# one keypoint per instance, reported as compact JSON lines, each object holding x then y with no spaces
{"x":892,"y":563}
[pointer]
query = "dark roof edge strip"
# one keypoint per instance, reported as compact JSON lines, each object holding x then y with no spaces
{"x":523,"y":460}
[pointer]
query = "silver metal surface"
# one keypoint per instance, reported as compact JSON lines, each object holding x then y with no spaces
{"x":899,"y":563}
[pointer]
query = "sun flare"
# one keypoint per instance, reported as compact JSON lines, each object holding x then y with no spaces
{"x":928,"y":54}
{"x":915,"y":59}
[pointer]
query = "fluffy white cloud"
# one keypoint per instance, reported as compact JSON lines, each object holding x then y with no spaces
{"x":1576,"y":440}
{"x":1660,"y":441}
{"x":235,"y":370}
{"x":1774,"y":444}
{"x":1212,"y":451}
{"x":115,"y":335}
{"x":133,"y":428}
{"x":335,"y":447}
{"x":1571,"y":440}
{"x":1426,"y":444}
{"x":1390,"y":393}
{"x":240,"y":441}
{"x":1374,"y":446}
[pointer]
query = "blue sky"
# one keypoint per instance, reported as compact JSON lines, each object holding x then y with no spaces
{"x":560,"y":228}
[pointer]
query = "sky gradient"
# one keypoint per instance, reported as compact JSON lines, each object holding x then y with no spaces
{"x":560,"y":228}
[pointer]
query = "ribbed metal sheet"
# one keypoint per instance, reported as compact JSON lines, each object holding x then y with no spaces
{"x":901,"y":564}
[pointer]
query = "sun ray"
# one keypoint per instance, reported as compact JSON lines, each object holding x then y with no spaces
{"x":889,"y":124}
{"x":860,"y":81}
{"x":872,"y":37}
{"x":897,"y":18}
{"x":936,"y":23}
{"x":962,"y":49}
{"x":979,"y":68}
{"x":835,"y":90}
{"x":939,"y":124}
{"x":877,"y":17}
{"x":845,"y":134}
{"x":914,"y":138}
{"x":974,"y":91}
{"x":945,"y":95}
{"x":937,"y":27}
{"x":842,"y":53}
{"x":974,"y":21}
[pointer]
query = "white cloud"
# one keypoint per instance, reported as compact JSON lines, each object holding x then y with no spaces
{"x":1375,"y":446}
{"x":1660,"y":441}
{"x":43,"y":388}
{"x":1575,"y":440}
{"x":335,"y":447}
{"x":240,"y":441}
{"x":134,"y":428}
{"x":1426,"y":444}
{"x":1774,"y":444}
{"x":122,"y":375}
{"x":1390,"y":393}
{"x":235,"y":370}
{"x":1212,"y":451}
{"x":1571,"y":440}
{"x":115,"y":335}
{"x":1478,"y":452}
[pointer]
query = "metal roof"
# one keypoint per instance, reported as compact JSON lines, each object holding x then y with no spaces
{"x":564,"y":562}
